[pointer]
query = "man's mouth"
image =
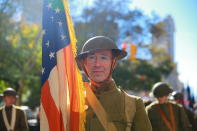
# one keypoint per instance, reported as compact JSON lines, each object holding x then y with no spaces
{"x":97,"y":71}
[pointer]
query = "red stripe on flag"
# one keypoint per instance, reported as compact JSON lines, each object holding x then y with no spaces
{"x":52,"y":112}
{"x":61,"y":120}
{"x":73,"y":88}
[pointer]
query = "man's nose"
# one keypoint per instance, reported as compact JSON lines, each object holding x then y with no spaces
{"x":97,"y":61}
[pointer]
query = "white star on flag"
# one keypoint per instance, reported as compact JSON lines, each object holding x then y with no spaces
{"x":60,"y":23}
{"x":47,"y":44}
{"x":43,"y":69}
{"x":63,"y":37}
{"x":49,"y":5}
{"x":51,"y":55}
{"x":57,"y":10}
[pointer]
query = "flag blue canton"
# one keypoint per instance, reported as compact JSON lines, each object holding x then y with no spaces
{"x":55,"y":37}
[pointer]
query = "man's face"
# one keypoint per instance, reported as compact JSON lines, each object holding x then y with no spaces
{"x":9,"y":100}
{"x":98,"y":65}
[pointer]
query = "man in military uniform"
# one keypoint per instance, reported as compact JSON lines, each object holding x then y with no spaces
{"x":164,"y":114}
{"x":109,"y":108}
{"x":178,"y":97}
{"x":12,"y":118}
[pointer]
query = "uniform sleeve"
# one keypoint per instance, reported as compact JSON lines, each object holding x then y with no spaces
{"x":149,"y":113}
{"x":23,"y":121}
{"x":141,"y":121}
{"x":184,"y":120}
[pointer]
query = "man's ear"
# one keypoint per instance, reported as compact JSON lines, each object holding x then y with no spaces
{"x":114,"y":63}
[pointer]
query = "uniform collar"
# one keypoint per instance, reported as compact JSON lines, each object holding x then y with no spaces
{"x":106,"y":87}
{"x":8,"y":108}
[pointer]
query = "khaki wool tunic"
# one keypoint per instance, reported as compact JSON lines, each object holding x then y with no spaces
{"x":113,"y":101}
{"x":21,"y":122}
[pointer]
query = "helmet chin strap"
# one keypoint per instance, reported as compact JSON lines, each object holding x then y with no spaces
{"x":107,"y":80}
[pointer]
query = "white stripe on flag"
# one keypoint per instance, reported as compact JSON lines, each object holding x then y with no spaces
{"x":64,"y":91}
{"x":54,"y":85}
{"x":44,"y":125}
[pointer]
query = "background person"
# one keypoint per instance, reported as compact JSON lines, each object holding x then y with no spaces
{"x":166,"y":115}
{"x":179,"y":98}
{"x":12,"y":118}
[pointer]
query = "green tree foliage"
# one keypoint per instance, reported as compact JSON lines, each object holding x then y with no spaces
{"x":21,"y":58}
{"x":161,"y":60}
{"x":138,"y":75}
{"x":7,"y":9}
{"x":20,"y":53}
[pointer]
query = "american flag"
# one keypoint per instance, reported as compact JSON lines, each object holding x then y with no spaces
{"x":62,"y":94}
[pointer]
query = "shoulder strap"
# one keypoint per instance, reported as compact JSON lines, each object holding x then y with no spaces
{"x":130,"y":109}
{"x":171,"y":126}
{"x":172,"y":116}
{"x":99,"y":110}
{"x":13,"y":119}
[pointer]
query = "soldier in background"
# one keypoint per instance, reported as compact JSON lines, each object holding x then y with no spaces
{"x":166,"y":115}
{"x":12,"y":118}
{"x":179,"y":98}
{"x":109,"y":108}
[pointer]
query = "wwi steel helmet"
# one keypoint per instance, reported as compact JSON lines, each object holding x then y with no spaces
{"x":161,"y":89}
{"x":100,"y":43}
{"x":177,"y":95}
{"x":9,"y":92}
